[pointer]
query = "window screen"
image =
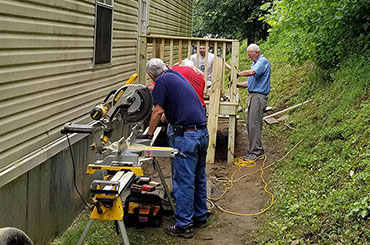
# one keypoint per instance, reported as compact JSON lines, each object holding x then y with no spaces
{"x":103,"y":34}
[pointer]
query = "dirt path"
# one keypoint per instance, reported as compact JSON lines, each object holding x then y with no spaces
{"x":247,"y":195}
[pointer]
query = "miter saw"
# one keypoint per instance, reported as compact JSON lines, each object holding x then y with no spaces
{"x":122,"y":158}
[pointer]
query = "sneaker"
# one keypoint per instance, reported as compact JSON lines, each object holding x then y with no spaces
{"x":200,"y":224}
{"x":250,"y":157}
{"x":186,"y":232}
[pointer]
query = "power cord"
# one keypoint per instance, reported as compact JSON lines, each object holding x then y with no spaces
{"x":241,"y":163}
{"x":74,"y":173}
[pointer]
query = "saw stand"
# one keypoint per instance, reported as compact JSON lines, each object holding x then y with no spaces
{"x":132,"y":103}
{"x":125,"y":158}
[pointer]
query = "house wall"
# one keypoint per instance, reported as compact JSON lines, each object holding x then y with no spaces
{"x":172,"y":18}
{"x":43,"y":201}
{"x":47,"y":78}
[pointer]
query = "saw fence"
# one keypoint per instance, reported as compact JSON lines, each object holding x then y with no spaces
{"x":173,"y":50}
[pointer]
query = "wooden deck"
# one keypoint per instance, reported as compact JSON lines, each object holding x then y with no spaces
{"x":173,"y":50}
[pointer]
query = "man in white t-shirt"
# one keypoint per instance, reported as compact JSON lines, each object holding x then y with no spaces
{"x":201,"y":64}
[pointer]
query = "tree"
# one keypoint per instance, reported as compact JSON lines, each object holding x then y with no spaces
{"x":325,"y":31}
{"x":235,"y":19}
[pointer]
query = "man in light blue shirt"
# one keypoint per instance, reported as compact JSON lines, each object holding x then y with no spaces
{"x":258,"y":85}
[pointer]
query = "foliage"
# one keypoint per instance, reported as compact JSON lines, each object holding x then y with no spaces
{"x":325,"y":31}
{"x":230,"y":19}
{"x":323,"y":188}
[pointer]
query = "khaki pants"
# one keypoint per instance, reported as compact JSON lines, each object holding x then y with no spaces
{"x":256,"y":105}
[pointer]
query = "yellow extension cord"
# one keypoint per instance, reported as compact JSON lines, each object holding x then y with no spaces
{"x":241,"y":163}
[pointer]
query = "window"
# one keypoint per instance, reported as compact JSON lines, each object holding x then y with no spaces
{"x":103,"y":32}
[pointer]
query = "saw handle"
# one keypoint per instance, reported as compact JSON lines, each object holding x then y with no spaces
{"x":77,"y":128}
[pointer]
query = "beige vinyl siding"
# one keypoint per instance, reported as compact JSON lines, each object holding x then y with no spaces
{"x":47,"y":76}
{"x":173,"y":18}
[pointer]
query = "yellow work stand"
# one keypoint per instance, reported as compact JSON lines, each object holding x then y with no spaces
{"x":108,"y":203}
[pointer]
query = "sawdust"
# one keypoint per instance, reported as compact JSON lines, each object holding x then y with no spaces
{"x":247,"y":195}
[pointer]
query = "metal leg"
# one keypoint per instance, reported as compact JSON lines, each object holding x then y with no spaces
{"x":84,"y":233}
{"x":123,"y":232}
{"x":158,"y":169}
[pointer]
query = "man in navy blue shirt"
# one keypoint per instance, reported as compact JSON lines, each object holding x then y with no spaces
{"x":174,"y":96}
{"x":258,"y":85}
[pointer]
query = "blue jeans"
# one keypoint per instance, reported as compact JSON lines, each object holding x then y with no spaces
{"x":189,"y":176}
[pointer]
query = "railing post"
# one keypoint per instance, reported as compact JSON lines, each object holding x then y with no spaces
{"x":197,"y":57}
{"x":154,"y":50}
{"x":206,"y":65}
{"x":143,"y":53}
{"x":214,"y":108}
{"x":189,"y":49}
{"x":233,"y":94}
{"x":180,"y":52}
{"x":234,"y":70}
{"x":223,"y":74}
{"x":162,"y":47}
{"x":171,"y":52}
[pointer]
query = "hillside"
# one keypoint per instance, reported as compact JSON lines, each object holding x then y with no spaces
{"x":323,"y":188}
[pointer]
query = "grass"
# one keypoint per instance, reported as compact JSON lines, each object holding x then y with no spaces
{"x":104,"y":233}
{"x":323,"y":188}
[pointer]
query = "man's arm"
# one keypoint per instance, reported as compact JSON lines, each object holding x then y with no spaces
{"x":155,"y":119}
{"x":246,"y":73}
{"x":227,"y":66}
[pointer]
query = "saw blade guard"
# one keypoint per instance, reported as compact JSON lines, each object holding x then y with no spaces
{"x":134,"y":102}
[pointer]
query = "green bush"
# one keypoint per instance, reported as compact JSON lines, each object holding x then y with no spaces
{"x":324,"y":31}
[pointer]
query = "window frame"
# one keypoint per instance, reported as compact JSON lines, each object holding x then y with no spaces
{"x":104,"y":4}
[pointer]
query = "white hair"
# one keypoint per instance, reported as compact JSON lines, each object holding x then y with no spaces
{"x":253,"y":47}
{"x":187,"y":62}
{"x":155,"y":67}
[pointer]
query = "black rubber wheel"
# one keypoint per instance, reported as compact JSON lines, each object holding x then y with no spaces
{"x":13,"y":236}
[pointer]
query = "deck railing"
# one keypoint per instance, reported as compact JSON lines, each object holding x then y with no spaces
{"x":172,"y":50}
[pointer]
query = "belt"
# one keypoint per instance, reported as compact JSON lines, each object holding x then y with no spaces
{"x":195,"y":127}
{"x":257,"y":93}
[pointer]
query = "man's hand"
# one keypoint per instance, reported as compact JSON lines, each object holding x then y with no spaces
{"x":242,"y":85}
{"x":145,"y":137}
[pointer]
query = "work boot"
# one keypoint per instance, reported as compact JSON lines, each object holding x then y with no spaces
{"x":200,"y":224}
{"x":185,"y":232}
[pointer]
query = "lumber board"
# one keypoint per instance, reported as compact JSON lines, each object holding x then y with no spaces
{"x":189,"y":49}
{"x":214,"y":105}
{"x":205,"y":63}
{"x":223,"y":74}
{"x":233,"y":95}
{"x":171,"y":53}
{"x":162,"y":47}
{"x":180,"y":52}
{"x":142,"y":60}
{"x":271,"y":120}
{"x":231,"y":139}
{"x":188,"y":38}
{"x":287,"y":109}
